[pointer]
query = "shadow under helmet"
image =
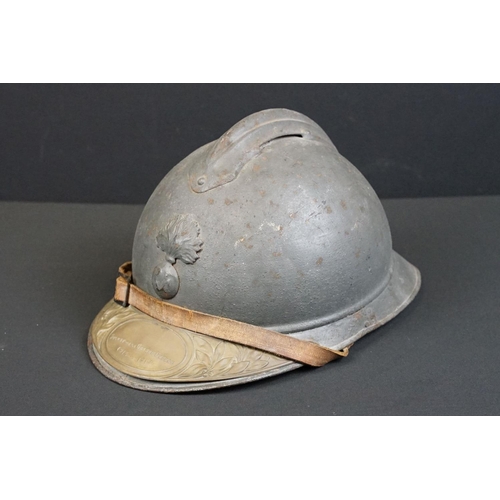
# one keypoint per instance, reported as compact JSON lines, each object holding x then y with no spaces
{"x":268,"y":229}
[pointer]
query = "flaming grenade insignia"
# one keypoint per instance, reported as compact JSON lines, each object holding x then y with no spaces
{"x":179,"y":240}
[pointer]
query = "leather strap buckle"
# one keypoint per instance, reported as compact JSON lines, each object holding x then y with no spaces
{"x":124,"y":282}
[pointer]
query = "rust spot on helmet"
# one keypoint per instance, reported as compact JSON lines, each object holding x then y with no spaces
{"x":328,"y":209}
{"x":276,"y":254}
{"x":343,"y":204}
{"x":227,"y":201}
{"x":319,"y":261}
{"x":210,"y":201}
{"x":262,"y":192}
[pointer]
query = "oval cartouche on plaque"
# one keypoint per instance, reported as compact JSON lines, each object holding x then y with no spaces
{"x":162,"y":350}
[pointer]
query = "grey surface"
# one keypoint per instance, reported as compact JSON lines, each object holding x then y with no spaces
{"x":439,"y":356}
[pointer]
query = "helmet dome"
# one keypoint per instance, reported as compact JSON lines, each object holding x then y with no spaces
{"x":295,"y":240}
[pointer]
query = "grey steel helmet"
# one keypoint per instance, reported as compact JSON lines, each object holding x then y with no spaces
{"x":269,"y":226}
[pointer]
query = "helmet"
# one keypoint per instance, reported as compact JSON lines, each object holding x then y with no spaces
{"x":254,"y":249}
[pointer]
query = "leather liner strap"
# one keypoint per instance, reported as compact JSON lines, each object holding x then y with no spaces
{"x":302,"y":351}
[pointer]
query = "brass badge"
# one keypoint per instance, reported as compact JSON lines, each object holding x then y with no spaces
{"x":180,"y":239}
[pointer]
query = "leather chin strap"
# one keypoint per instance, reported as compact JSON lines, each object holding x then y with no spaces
{"x":302,"y":351}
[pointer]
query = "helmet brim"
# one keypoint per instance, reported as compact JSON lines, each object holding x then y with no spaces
{"x":135,"y":350}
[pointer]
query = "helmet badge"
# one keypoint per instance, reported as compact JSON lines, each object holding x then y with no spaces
{"x":180,"y":239}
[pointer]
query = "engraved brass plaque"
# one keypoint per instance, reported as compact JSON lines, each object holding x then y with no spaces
{"x":138,"y":345}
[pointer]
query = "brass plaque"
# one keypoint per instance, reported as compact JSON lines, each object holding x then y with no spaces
{"x":143,"y":347}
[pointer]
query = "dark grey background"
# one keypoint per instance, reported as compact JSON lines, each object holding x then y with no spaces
{"x":114,"y":143}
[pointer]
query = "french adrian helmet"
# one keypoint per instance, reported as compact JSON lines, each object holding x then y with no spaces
{"x":259,"y":253}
